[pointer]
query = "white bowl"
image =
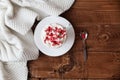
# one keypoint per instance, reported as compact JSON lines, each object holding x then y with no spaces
{"x":66,"y":46}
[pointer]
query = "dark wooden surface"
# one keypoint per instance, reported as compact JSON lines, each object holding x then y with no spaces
{"x":101,"y":18}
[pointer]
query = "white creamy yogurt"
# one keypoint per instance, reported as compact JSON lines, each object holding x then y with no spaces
{"x":54,"y":35}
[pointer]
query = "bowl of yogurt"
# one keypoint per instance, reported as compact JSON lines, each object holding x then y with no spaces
{"x":54,"y":36}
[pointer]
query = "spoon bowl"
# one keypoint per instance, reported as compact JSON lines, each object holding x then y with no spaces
{"x":84,"y":35}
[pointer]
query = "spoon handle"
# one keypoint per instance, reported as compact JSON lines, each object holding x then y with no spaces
{"x":84,"y":51}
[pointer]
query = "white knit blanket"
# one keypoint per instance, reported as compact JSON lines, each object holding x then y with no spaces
{"x":16,"y":37}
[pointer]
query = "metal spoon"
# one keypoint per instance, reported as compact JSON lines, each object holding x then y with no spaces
{"x":84,"y":36}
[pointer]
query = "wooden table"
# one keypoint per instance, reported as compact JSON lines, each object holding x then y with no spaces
{"x":101,"y":18}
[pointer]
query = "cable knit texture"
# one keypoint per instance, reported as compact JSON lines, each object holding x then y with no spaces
{"x":16,"y":37}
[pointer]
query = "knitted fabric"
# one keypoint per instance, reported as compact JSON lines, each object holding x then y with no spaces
{"x":16,"y":37}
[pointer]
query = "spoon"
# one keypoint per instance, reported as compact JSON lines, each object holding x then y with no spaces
{"x":84,"y":36}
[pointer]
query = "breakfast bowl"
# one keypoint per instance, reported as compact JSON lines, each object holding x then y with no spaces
{"x":54,"y":36}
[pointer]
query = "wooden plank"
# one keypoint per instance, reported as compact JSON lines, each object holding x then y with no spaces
{"x":46,"y":66}
{"x":97,"y":5}
{"x":74,"y":79}
{"x":99,"y":65}
{"x":33,"y":79}
{"x":97,"y":0}
{"x":76,"y":17}
{"x":101,"y":38}
{"x":103,"y":28}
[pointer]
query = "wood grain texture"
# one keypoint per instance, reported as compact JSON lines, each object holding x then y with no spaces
{"x":99,"y":65}
{"x":34,"y":79}
{"x":101,"y":18}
